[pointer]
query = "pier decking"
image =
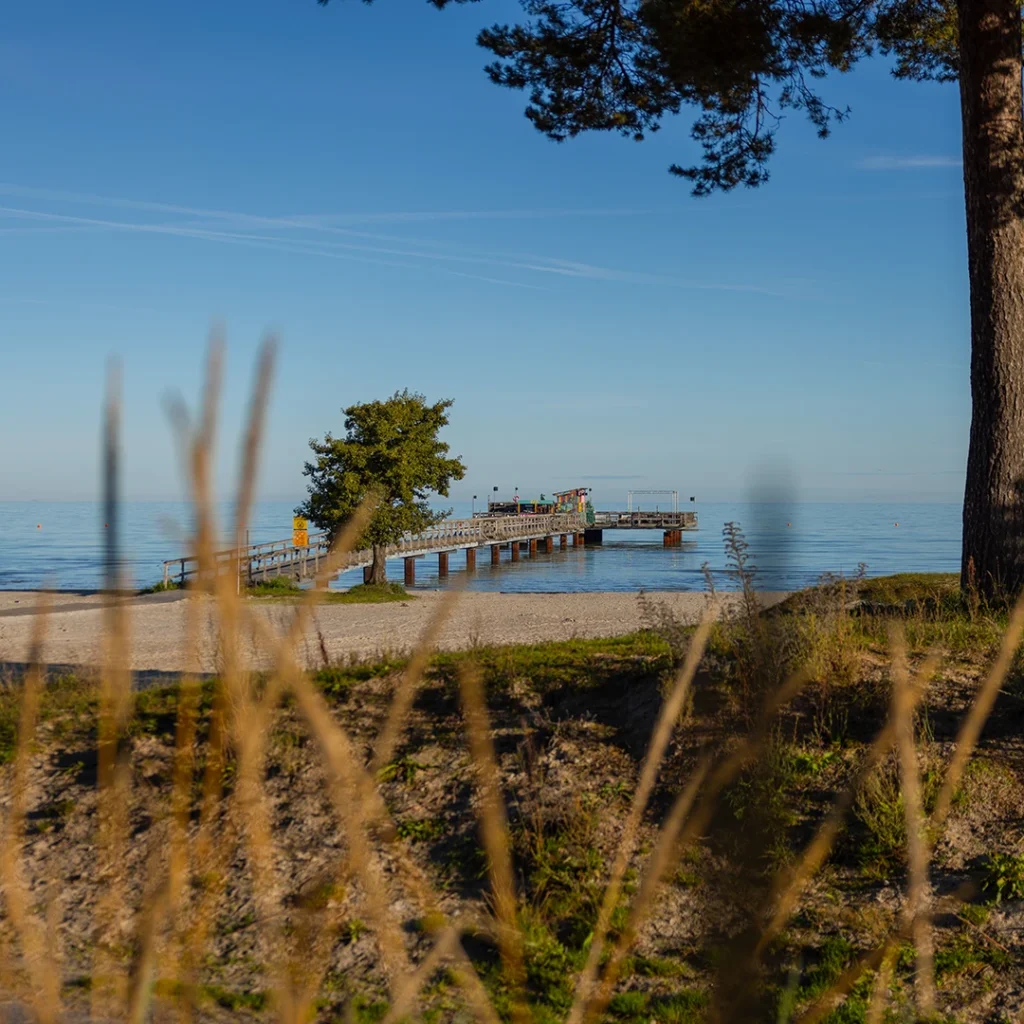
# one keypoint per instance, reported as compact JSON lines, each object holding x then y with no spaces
{"x":258,"y":562}
{"x":282,"y":558}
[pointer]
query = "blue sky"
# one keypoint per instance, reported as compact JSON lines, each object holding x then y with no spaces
{"x":348,"y":178}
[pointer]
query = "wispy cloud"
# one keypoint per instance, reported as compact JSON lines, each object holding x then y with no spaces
{"x":316,"y":248}
{"x":322,"y":236}
{"x":419,"y":216}
{"x":326,"y":222}
{"x":907,"y":163}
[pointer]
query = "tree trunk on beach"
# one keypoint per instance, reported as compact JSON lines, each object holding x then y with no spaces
{"x":378,"y":571}
{"x":993,"y":161}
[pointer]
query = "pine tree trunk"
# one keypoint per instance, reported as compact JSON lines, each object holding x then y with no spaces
{"x":993,"y":151}
{"x":378,"y":571}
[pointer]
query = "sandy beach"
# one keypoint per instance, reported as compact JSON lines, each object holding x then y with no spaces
{"x":158,"y":631}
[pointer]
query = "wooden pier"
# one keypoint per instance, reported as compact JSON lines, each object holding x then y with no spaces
{"x":281,"y":558}
{"x":260,"y":562}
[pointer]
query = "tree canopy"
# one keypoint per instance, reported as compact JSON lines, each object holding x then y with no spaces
{"x":623,"y":65}
{"x":391,"y":450}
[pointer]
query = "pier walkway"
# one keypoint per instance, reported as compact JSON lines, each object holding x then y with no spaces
{"x":260,"y":562}
{"x":281,"y":558}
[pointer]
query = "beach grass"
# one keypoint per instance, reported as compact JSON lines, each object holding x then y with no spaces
{"x":734,"y":821}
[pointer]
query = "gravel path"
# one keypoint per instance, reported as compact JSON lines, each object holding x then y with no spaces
{"x":158,"y":624}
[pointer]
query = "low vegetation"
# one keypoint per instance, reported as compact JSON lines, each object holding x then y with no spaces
{"x":162,"y":587}
{"x":571,"y":723}
{"x":363,"y":593}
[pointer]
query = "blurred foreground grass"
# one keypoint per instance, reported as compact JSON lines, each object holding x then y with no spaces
{"x":806,"y":814}
{"x":570,"y":723}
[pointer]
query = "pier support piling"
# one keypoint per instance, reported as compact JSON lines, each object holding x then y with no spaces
{"x":442,"y":563}
{"x":563,"y":539}
{"x":533,"y":545}
{"x":410,"y":571}
{"x":513,"y":550}
{"x":470,"y":559}
{"x":495,"y":554}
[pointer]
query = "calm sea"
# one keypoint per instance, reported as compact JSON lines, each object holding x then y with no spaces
{"x":59,"y":544}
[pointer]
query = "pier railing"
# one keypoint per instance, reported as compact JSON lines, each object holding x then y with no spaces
{"x":276,"y":558}
{"x":645,"y":520}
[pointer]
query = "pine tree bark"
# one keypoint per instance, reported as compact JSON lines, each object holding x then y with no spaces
{"x":993,"y":160}
{"x":378,"y":570}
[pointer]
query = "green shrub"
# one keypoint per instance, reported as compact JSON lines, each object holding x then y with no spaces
{"x":370,"y":593}
{"x":9,"y":714}
{"x":761,"y":801}
{"x":880,"y":817}
{"x":274,"y":587}
{"x":421,"y":830}
{"x":161,"y":587}
{"x":1004,"y":876}
{"x":549,"y":966}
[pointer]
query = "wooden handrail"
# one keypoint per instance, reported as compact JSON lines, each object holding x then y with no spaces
{"x":259,"y":559}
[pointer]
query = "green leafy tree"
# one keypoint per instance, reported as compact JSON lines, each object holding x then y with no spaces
{"x":624,"y":65}
{"x":391,"y":451}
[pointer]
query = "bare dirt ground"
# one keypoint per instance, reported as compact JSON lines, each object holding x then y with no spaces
{"x":159,"y":632}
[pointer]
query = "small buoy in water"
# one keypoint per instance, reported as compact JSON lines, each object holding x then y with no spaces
{"x":895,"y":524}
{"x":39,"y":526}
{"x":789,"y":524}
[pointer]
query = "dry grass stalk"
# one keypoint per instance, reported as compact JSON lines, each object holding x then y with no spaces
{"x":469,"y":982}
{"x":790,"y":884}
{"x":347,"y":792}
{"x":341,"y":546}
{"x":249,"y":727}
{"x":405,"y":693}
{"x":970,"y":731}
{"x":665,"y":726}
{"x":254,"y":435}
{"x":681,"y":828}
{"x":917,"y":843}
{"x":110,"y":981}
{"x":350,"y":785}
{"x":829,"y":1000}
{"x":215,"y":837}
{"x":880,"y":991}
{"x":361,"y":807}
{"x":290,"y":675}
{"x":665,"y":852}
{"x":37,"y":946}
{"x":494,"y":832}
{"x":140,"y":993}
{"x":376,"y":815}
{"x":409,"y":990}
{"x":873,"y":960}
